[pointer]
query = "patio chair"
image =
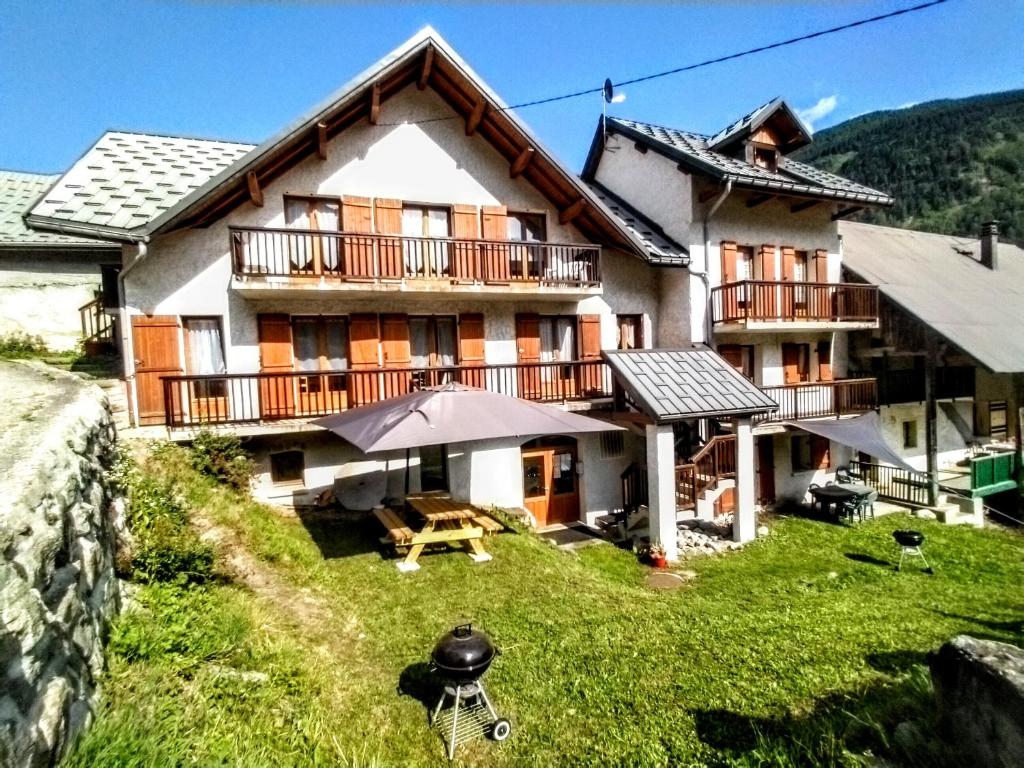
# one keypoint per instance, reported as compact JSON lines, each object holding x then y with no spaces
{"x":843,"y":475}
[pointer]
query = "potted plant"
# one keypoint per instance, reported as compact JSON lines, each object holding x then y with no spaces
{"x":656,"y":553}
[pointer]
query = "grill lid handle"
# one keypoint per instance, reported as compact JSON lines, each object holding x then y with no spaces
{"x":463,"y":630}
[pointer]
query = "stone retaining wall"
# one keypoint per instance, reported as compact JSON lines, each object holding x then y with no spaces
{"x":58,"y":590}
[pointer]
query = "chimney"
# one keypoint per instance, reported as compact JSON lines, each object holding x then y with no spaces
{"x":990,"y":244}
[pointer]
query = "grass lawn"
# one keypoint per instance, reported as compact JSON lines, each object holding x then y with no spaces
{"x":805,"y":648}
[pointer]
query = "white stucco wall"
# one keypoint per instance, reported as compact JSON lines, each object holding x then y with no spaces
{"x":40,"y":295}
{"x":951,"y":445}
{"x":601,"y":484}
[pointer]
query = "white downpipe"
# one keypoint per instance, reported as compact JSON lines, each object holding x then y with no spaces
{"x":127,"y":348}
{"x":707,"y":258}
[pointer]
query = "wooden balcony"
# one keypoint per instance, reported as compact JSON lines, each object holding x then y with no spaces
{"x":753,"y":305}
{"x":272,"y":259}
{"x":195,"y":402}
{"x":820,"y":399}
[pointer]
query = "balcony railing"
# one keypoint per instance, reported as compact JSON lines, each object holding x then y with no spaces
{"x":345,"y":256}
{"x":822,"y":398}
{"x":907,"y":386}
{"x":252,"y":398}
{"x":706,"y":468}
{"x":773,"y":301}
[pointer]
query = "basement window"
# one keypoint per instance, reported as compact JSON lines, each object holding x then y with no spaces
{"x":287,"y":467}
{"x":613,"y":445}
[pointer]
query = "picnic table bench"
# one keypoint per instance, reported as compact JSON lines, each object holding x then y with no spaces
{"x":445,"y":521}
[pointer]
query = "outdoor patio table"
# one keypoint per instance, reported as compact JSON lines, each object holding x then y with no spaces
{"x":444,"y":520}
{"x":828,"y":495}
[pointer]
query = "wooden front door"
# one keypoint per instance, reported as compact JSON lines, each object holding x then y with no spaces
{"x":766,"y":470}
{"x":550,"y":484}
{"x":156,"y":342}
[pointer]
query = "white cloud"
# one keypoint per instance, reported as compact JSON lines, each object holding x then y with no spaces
{"x":822,"y":109}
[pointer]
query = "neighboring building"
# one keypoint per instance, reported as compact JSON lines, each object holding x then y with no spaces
{"x":763,"y":284}
{"x":49,"y":282}
{"x":956,"y":305}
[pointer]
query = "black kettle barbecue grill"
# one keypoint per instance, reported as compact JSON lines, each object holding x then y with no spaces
{"x":461,"y":657}
{"x":910,"y":545}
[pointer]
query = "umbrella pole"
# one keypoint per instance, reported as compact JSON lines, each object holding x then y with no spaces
{"x":407,"y":453}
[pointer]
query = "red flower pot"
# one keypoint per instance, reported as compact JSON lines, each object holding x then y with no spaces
{"x":657,"y":562}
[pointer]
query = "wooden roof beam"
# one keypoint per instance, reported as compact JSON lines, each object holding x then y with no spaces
{"x":375,"y":103}
{"x":475,"y":117}
{"x":756,"y":200}
{"x":321,"y":140}
{"x":566,"y":215}
{"x":842,"y":213}
{"x":521,"y":162}
{"x":803,"y":206}
{"x":428,"y":65}
{"x":255,"y":193}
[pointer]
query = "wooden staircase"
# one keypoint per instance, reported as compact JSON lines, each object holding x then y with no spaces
{"x":704,"y":475}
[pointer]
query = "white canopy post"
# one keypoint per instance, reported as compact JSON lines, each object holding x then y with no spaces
{"x":744,"y":526}
{"x":661,"y":488}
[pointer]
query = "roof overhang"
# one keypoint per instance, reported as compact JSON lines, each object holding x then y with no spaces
{"x":424,"y":60}
{"x":777,"y":186}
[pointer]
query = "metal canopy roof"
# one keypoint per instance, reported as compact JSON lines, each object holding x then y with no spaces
{"x":939,"y":280}
{"x":674,"y":384}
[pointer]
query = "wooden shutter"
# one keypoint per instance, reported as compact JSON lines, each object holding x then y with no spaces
{"x":388,"y":220}
{"x":591,"y":373}
{"x":791,"y":363}
{"x":819,"y":452}
{"x":729,"y":270}
{"x":789,"y":295}
{"x":356,"y":220}
{"x":363,"y":351}
{"x":396,"y":352}
{"x":788,"y":262}
{"x":732,"y":354}
{"x":277,"y":393}
{"x":821,"y":266}
{"x":155,"y":344}
{"x":824,"y":361}
{"x":528,"y":348}
{"x":497,"y":258}
{"x":465,"y":226}
{"x":472,"y":348}
{"x":766,"y":296}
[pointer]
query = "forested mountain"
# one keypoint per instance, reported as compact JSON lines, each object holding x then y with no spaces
{"x":950,"y":164}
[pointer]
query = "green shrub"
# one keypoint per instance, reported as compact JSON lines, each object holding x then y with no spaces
{"x":165,"y":548}
{"x":17,"y":344}
{"x":223,"y":458}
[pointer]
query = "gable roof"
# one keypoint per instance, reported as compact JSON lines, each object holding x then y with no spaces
{"x":126,"y":180}
{"x":779,"y":113}
{"x":695,"y":152}
{"x":663,"y":250}
{"x":18,"y":191}
{"x":674,"y":384}
{"x":426,"y":60}
{"x":939,"y":280}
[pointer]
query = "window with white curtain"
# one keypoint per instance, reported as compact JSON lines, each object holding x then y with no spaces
{"x":204,"y":350}
{"x":323,"y":215}
{"x":557,"y":342}
{"x":432,"y":345}
{"x":423,"y":257}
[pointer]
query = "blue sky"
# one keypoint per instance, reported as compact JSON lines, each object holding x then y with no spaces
{"x":69,"y":71}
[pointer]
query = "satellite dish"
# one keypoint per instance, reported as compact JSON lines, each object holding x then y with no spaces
{"x":609,"y":91}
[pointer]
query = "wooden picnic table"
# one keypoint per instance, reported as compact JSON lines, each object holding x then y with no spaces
{"x":445,"y":521}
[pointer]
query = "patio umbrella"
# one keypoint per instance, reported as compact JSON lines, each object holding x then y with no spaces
{"x":452,"y":413}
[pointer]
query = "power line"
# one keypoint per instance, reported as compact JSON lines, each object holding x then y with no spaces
{"x":709,"y":62}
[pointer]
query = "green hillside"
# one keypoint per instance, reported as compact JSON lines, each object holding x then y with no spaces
{"x":950,"y":164}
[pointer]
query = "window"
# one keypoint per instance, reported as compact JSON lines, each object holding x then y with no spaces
{"x":320,"y":344}
{"x":432,"y":345}
{"x":287,"y":466}
{"x":997,"y":418}
{"x":740,"y":357}
{"x":800,"y":274}
{"x":204,"y":356}
{"x":809,"y":453}
{"x":767,"y":158}
{"x":613,"y":445}
{"x":526,"y":227}
{"x":631,"y":332}
{"x":425,"y":221}
{"x":910,"y":434}
{"x":557,"y":338}
{"x":744,"y":262}
{"x":312,"y":213}
{"x":434,"y":468}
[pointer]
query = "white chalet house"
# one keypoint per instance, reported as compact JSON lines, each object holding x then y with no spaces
{"x":410,"y":231}
{"x":763,"y":286}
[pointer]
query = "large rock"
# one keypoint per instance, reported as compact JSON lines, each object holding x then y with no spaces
{"x":979,"y":685}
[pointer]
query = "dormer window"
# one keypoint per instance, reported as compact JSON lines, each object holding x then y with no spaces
{"x":767,"y":158}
